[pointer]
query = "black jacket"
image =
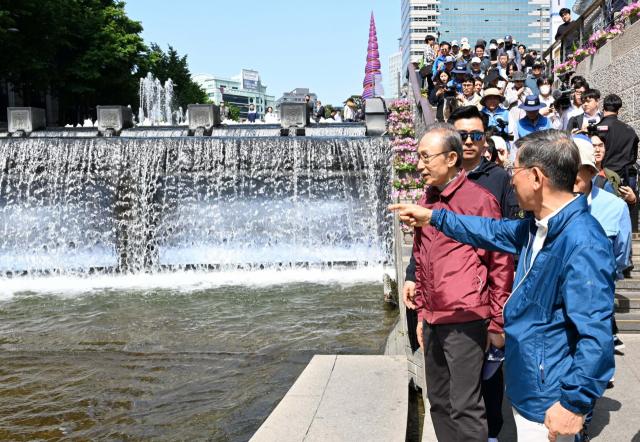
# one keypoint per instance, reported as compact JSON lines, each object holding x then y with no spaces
{"x":622,"y":146}
{"x":438,"y":101}
{"x":320,"y":113}
{"x":562,"y":29}
{"x":497,"y":181}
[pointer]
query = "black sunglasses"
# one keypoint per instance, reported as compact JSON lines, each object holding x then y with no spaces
{"x":475,"y":135}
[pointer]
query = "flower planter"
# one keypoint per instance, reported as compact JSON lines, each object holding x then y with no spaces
{"x":408,"y":174}
{"x":633,"y":19}
{"x":406,"y":201}
{"x":407,"y":238}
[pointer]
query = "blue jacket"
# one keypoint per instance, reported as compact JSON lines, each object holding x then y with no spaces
{"x":436,"y":63}
{"x":524,"y":126}
{"x":558,"y":319}
{"x":252,"y":116}
{"x":455,"y":83}
{"x":501,"y":113}
{"x":613,"y":215}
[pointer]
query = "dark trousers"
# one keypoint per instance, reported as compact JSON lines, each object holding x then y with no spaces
{"x":453,"y":358}
{"x":493,"y":394}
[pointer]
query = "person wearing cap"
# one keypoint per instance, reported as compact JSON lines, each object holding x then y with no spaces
{"x":455,"y":48}
{"x":485,"y":61}
{"x":612,"y":214}
{"x":493,"y":79}
{"x":491,"y":106}
{"x":559,"y":351}
{"x":532,"y":80}
{"x":515,"y":94}
{"x":500,"y":44}
{"x":475,"y":67}
{"x":512,"y":51}
{"x":532,"y":121}
{"x":493,"y":52}
{"x":445,"y":48}
{"x":459,"y":73}
{"x":464,"y":56}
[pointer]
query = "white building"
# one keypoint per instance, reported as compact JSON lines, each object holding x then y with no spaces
{"x":240,"y":91}
{"x":449,"y":20}
{"x":297,"y":95}
{"x":395,"y":74}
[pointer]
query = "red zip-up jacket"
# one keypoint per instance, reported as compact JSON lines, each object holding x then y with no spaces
{"x":455,"y":282}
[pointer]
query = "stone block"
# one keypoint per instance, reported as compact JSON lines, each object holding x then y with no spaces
{"x":636,"y":105}
{"x":116,"y":118}
{"x":627,"y":96}
{"x":375,"y":117}
{"x":26,"y":119}
{"x":204,"y":116}
{"x":294,"y":114}
{"x":626,"y":42}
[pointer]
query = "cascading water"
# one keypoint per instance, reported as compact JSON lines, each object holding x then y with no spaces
{"x":76,"y":205}
{"x":156,"y":102}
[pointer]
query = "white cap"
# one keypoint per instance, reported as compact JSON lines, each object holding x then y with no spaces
{"x":476,"y":60}
{"x":500,"y":41}
{"x":493,"y":46}
{"x":585,"y":146}
{"x":464,"y":40}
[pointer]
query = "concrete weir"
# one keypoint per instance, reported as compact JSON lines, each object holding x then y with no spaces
{"x":343,"y":398}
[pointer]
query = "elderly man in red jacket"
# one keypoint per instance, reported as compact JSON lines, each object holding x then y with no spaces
{"x":460,"y":292}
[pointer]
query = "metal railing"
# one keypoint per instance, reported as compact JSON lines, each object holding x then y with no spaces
{"x":420,"y":106}
{"x":596,"y":17}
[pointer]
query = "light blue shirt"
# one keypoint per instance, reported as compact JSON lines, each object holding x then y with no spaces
{"x":613,"y":215}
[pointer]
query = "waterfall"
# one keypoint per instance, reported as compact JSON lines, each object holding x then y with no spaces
{"x":79,"y":205}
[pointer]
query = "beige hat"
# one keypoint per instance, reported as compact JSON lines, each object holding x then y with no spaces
{"x":492,"y":92}
{"x":500,"y":41}
{"x":466,"y":46}
{"x":587,"y":155}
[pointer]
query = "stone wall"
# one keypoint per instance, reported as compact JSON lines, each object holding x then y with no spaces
{"x":615,"y":69}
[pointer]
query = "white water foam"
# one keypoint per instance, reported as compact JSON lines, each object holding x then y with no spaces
{"x":185,"y":281}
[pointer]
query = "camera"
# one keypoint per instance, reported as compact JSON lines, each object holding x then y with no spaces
{"x":501,"y":130}
{"x":450,"y":92}
{"x":563,"y":99}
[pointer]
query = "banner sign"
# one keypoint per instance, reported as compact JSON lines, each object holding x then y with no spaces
{"x":249,"y":80}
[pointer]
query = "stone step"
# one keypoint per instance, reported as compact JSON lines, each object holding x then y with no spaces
{"x":624,"y":285}
{"x":628,"y":322}
{"x":343,"y":398}
{"x":627,"y":302}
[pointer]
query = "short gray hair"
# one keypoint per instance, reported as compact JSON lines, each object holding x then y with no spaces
{"x":451,"y":140}
{"x":555,"y":153}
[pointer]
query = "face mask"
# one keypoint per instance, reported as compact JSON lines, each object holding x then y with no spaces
{"x":544,"y":90}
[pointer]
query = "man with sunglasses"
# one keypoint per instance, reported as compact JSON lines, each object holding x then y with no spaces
{"x":470,"y":125}
{"x":459,"y":291}
{"x":559,"y":351}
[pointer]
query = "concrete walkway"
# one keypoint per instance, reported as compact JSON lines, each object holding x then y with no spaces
{"x":617,"y":414}
{"x":343,"y":398}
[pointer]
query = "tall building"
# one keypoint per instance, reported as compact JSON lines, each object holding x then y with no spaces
{"x":454,"y":19}
{"x":240,"y":91}
{"x":395,"y":74}
{"x":296,"y":95}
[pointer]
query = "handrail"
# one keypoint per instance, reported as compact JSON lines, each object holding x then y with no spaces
{"x":607,"y":19}
{"x":423,"y":107}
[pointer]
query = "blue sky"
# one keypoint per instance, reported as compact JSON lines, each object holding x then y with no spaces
{"x":291,"y":43}
{"x":320,"y":45}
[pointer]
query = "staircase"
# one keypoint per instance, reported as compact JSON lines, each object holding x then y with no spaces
{"x":628,"y":295}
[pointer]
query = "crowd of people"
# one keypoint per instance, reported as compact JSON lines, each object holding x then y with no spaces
{"x":549,"y":180}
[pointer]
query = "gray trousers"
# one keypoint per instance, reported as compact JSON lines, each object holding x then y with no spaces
{"x":453,"y":359}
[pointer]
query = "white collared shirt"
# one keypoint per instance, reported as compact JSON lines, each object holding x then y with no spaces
{"x":573,"y":111}
{"x":543,"y":229}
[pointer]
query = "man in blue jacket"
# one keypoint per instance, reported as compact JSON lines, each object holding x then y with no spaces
{"x":559,"y":350}
{"x":533,"y":121}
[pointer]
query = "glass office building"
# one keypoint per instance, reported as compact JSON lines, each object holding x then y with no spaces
{"x":395,"y":75}
{"x":454,"y":19}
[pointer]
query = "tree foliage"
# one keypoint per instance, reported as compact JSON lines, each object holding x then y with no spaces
{"x":171,"y":65}
{"x":357,"y":99}
{"x":234,"y":113}
{"x":85,"y":53}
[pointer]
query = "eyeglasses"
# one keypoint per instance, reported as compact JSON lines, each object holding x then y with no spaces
{"x":511,"y":169}
{"x":427,"y":159}
{"x":475,"y":135}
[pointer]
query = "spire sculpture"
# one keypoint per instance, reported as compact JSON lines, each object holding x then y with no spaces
{"x":373,"y":77}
